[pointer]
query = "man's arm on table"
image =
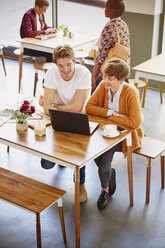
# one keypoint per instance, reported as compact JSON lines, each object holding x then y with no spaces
{"x":76,"y":106}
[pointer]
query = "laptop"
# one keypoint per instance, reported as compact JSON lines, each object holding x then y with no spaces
{"x":72,"y":122}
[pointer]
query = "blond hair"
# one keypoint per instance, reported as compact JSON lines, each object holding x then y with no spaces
{"x":117,"y":68}
{"x":41,"y":3}
{"x":63,"y":52}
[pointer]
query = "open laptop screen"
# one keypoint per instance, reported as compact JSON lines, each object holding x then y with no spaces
{"x":72,"y":122}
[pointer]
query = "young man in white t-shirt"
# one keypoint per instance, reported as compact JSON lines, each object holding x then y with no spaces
{"x":67,"y":87}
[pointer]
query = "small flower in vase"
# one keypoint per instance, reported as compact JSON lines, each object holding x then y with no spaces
{"x":65,"y":30}
{"x":21,"y":114}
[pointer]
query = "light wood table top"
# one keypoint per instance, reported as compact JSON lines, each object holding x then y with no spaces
{"x":153,"y":66}
{"x":69,"y":148}
{"x":51,"y":44}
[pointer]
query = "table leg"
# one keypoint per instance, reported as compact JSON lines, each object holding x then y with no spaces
{"x":130,"y":173}
{"x":160,"y":89}
{"x":148,"y":180}
{"x":162,"y":171}
{"x":38,"y":230}
{"x":77,"y":206}
{"x":20,"y":70}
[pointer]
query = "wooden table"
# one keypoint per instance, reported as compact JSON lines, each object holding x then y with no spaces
{"x":50,"y":44}
{"x":154,"y":69}
{"x":70,"y":150}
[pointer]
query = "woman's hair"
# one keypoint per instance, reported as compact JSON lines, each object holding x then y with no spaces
{"x":63,"y":52}
{"x":41,"y":3}
{"x":117,"y":68}
{"x":118,"y":7}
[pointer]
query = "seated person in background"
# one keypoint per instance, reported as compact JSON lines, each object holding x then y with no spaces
{"x":67,"y":87}
{"x":33,"y":24}
{"x":119,"y":102}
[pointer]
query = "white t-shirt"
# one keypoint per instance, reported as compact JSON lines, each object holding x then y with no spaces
{"x":66,"y":89}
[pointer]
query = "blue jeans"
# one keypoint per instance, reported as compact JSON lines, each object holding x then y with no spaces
{"x":49,"y":165}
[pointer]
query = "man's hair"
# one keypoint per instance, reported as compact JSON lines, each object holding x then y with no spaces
{"x":62,"y":52}
{"x":118,"y":7}
{"x":41,"y":3}
{"x":117,"y":68}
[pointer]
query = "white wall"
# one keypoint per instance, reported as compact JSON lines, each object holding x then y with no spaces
{"x":149,"y":7}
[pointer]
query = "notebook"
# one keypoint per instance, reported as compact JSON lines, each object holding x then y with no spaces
{"x":46,"y":36}
{"x":72,"y":122}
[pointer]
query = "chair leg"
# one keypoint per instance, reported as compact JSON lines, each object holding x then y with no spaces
{"x":38,"y":230}
{"x":162,"y":171}
{"x":148,"y":180}
{"x":140,"y":93}
{"x":160,"y":89}
{"x":35,"y":83}
{"x":3,"y":63}
{"x":60,"y":209}
{"x":144,"y":93}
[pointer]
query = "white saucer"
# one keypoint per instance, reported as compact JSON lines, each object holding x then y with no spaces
{"x":116,"y":134}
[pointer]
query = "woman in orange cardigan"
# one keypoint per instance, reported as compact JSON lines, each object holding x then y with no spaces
{"x":118,"y":101}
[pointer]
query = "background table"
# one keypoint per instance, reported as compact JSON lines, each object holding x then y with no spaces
{"x":154,"y":69}
{"x":50,"y":44}
{"x":68,"y":149}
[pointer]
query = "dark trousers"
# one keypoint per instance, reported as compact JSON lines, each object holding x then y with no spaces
{"x":104,"y":164}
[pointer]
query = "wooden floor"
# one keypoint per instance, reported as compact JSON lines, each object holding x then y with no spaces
{"x":118,"y":226}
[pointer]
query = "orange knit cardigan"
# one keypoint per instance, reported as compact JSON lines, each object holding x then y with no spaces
{"x":129,"y":105}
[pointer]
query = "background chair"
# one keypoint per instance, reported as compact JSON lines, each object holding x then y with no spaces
{"x":2,"y":58}
{"x":141,"y":86}
{"x":44,"y":66}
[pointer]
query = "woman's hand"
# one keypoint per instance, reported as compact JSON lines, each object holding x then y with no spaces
{"x":50,"y":31}
{"x":115,"y":113}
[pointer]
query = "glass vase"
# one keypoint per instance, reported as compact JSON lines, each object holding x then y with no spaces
{"x":22,"y":126}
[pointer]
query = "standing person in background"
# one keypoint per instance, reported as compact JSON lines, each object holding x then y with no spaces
{"x":33,"y":24}
{"x":67,"y":87}
{"x":113,"y":10}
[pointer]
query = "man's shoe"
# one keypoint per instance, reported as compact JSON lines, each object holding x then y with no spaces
{"x":83,"y":193}
{"x":112,"y":182}
{"x":103,"y":200}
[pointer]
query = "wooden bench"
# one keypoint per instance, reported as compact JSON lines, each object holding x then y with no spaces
{"x":31,"y":195}
{"x":151,"y":149}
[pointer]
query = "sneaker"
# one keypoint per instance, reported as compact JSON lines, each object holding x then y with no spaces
{"x":83,"y":193}
{"x":112,"y":182}
{"x":103,"y":200}
{"x":45,"y":164}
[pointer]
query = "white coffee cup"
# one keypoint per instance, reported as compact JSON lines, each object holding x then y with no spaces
{"x":110,"y":129}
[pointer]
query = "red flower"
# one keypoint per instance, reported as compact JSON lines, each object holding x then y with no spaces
{"x":26,"y":102}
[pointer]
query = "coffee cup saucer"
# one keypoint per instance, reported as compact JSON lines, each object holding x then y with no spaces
{"x":116,"y":134}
